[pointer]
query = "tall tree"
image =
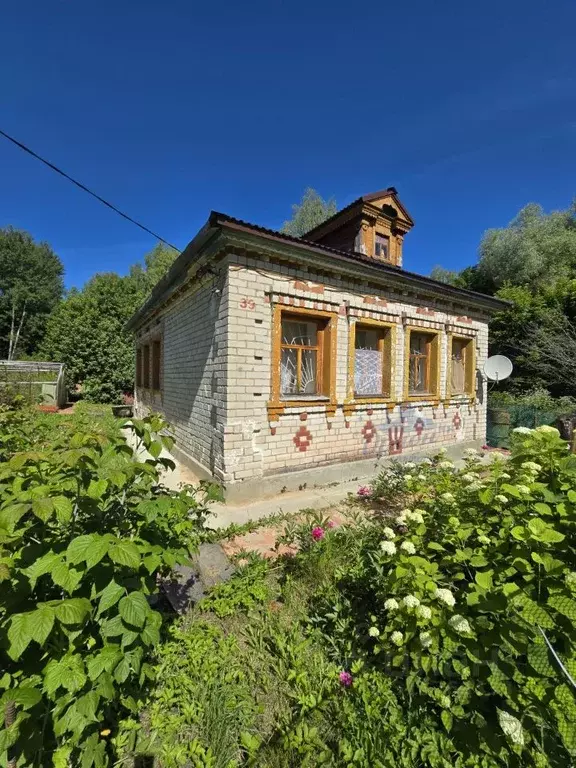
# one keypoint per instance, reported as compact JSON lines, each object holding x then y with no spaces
{"x":86,"y":331}
{"x":311,"y":211}
{"x":31,"y":286}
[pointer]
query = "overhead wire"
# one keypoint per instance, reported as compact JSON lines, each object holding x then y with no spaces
{"x":84,"y":188}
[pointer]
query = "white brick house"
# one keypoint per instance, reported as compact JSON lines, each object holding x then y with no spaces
{"x":281,"y":361}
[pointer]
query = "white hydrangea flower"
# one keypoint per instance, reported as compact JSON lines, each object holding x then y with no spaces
{"x":391,"y":604}
{"x":374,"y":632}
{"x":388,"y":547}
{"x":548,"y":430}
{"x":447,"y":497}
{"x":446,"y":465}
{"x":406,"y":512}
{"x":411,"y":601}
{"x":423,"y":612}
{"x":511,"y":726}
{"x":468,"y":477}
{"x":408,"y":547}
{"x":409,"y":465}
{"x":388,"y":533}
{"x":407,"y":478}
{"x":397,"y":638}
{"x":460,"y":624}
{"x":501,"y":498}
{"x":422,"y":478}
{"x":522,"y":430}
{"x":505,"y":476}
{"x":571,"y":580}
{"x":445,"y":596}
{"x":470,"y":452}
{"x":401,"y":519}
{"x":425,"y":639}
{"x":483,"y":539}
{"x":524,"y":489}
{"x":531,"y":466}
{"x":427,"y":462}
{"x":441,"y":451}
{"x":475,"y":486}
{"x":415,"y":517}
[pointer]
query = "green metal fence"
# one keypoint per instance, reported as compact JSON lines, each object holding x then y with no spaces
{"x":502,"y":420}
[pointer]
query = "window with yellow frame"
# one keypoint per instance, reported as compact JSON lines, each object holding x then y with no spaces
{"x":370,"y":360}
{"x":461,"y":366}
{"x":422,"y":364}
{"x":303,"y":355}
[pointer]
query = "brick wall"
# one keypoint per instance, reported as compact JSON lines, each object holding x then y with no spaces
{"x":193,"y":372}
{"x":257,"y":445}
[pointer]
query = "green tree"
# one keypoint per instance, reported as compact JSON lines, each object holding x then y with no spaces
{"x":30,"y":287}
{"x":86,"y":331}
{"x":309,"y":213}
{"x":533,"y":249}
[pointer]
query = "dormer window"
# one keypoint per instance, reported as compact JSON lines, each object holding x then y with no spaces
{"x":382,"y":247}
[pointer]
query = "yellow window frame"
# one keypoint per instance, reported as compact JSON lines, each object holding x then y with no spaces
{"x":469,"y":366}
{"x":388,"y":360}
{"x":327,"y":357}
{"x":433,"y":363}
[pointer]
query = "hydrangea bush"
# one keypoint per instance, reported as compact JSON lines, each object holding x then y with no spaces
{"x":466,"y":602}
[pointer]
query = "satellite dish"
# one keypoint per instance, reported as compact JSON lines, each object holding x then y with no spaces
{"x":497,"y":368}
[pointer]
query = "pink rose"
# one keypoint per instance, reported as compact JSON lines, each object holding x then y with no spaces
{"x":317,"y":533}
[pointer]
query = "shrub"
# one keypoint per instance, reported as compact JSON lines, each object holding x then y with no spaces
{"x":85,"y":533}
{"x":459,"y":604}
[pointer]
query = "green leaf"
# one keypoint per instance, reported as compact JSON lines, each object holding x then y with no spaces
{"x":67,"y":673}
{"x":43,"y":508}
{"x":19,"y":635}
{"x":155,"y":449}
{"x":447,"y":719}
{"x":539,"y":660}
{"x":519,"y":532}
{"x":484,"y":579}
{"x":97,"y":489}
{"x":122,"y":670}
{"x":125,"y":553}
{"x":24,"y":696}
{"x":41,"y":566}
{"x":104,"y":661}
{"x":564,"y":605}
{"x":134,"y":609}
{"x":63,"y":507}
{"x":67,"y":578}
{"x":542,"y":509}
{"x":74,"y":610}
{"x":97,"y":551}
{"x":41,"y":622}
{"x":88,"y":704}
{"x":478,"y":561}
{"x":110,"y":596}
{"x":533,"y":613}
{"x":79,"y":548}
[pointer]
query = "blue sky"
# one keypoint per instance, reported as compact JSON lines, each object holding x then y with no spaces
{"x":171,"y":109}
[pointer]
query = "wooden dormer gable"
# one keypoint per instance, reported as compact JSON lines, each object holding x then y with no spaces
{"x":374,"y":225}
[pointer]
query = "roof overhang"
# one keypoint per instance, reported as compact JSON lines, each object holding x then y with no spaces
{"x":223,"y":233}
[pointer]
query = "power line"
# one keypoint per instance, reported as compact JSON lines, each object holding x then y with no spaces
{"x":85,"y":189}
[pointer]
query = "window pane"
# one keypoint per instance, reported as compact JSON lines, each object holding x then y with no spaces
{"x":301,"y":333}
{"x":381,"y":246}
{"x":368,"y":363}
{"x":288,"y":375}
{"x":418,"y":370}
{"x":308,"y":372}
{"x":458,"y":368}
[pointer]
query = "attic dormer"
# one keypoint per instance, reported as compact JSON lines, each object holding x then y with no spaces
{"x":373,"y":224}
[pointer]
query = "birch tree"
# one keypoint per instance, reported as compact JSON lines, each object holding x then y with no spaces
{"x":30,"y":287}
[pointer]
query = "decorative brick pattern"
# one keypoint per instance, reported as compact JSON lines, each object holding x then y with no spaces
{"x":425,"y":311}
{"x":369,"y":431}
{"x":375,"y":300}
{"x":299,"y":285}
{"x":302,"y":439}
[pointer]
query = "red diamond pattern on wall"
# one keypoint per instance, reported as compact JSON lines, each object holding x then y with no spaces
{"x":302,"y":438}
{"x":369,"y":431}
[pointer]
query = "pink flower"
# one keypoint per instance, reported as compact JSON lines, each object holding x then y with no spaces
{"x":364,"y":491}
{"x":317,"y":533}
{"x":486,"y":447}
{"x":331,"y":523}
{"x":345,"y":679}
